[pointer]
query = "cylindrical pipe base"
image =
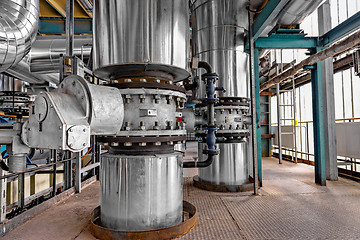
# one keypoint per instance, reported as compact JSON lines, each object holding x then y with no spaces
{"x":141,"y":192}
{"x":17,"y":163}
{"x":230,"y":167}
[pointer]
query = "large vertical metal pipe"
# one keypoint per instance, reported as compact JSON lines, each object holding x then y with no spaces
{"x":139,"y":44}
{"x":219,"y":29}
{"x":142,"y":38}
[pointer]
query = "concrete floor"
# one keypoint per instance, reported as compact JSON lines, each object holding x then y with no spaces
{"x":290,"y":206}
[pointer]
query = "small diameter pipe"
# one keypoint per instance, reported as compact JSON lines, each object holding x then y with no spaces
{"x":201,"y":164}
{"x":210,"y":78}
{"x":206,"y":66}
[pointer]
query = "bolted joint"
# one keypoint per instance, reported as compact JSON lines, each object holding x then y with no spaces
{"x":211,"y":138}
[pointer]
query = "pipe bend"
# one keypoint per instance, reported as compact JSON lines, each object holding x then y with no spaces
{"x":18,"y":28}
{"x":202,"y":164}
{"x":206,"y":66}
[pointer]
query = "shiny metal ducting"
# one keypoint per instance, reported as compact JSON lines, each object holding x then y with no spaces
{"x":8,"y":83}
{"x":230,"y":167}
{"x":141,"y":37}
{"x":293,"y":14}
{"x":46,"y":52}
{"x":22,"y":71}
{"x":219,"y":29}
{"x":297,"y":10}
{"x":141,"y":192}
{"x":18,"y":29}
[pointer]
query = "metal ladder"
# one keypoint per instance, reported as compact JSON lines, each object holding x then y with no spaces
{"x":281,"y":110}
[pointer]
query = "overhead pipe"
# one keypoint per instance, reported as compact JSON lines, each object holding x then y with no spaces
{"x":18,"y":29}
{"x":46,"y":52}
{"x":335,"y":49}
{"x":22,"y":71}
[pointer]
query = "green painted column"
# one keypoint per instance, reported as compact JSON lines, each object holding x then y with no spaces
{"x":258,"y":124}
{"x":319,"y":124}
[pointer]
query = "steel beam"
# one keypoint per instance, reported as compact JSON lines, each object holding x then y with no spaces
{"x":319,"y":125}
{"x":287,"y":41}
{"x":69,"y":28}
{"x":21,"y":190}
{"x":78,"y":172}
{"x":3,"y":183}
{"x":258,"y":124}
{"x":58,"y":26}
{"x":267,"y":15}
{"x":253,"y":104}
{"x":68,"y":176}
{"x":347,"y":27}
{"x":54,"y":160}
{"x":324,"y":20}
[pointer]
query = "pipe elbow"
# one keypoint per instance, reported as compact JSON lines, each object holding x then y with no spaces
{"x":19,"y":24}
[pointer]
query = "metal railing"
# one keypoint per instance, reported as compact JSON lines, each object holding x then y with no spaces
{"x":350,"y":165}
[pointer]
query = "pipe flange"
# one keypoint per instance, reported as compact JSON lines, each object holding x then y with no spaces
{"x":179,"y":230}
{"x":155,"y":84}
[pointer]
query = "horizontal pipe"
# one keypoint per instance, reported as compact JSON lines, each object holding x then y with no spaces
{"x":22,"y":71}
{"x":337,"y":48}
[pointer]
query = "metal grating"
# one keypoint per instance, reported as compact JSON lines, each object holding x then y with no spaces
{"x":316,"y":216}
{"x":214,"y":230}
{"x":287,"y":187}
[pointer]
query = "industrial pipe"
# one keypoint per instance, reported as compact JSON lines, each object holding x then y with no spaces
{"x":210,"y":78}
{"x":206,"y":66}
{"x":18,"y":29}
{"x":337,"y":48}
{"x":22,"y":71}
{"x":201,"y":164}
{"x":46,"y":52}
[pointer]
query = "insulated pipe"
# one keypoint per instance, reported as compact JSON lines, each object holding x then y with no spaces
{"x":46,"y":52}
{"x":337,"y":48}
{"x":22,"y":71}
{"x":18,"y":29}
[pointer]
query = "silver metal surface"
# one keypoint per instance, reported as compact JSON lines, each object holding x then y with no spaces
{"x":165,"y":108}
{"x":17,"y":154}
{"x":347,"y":135}
{"x":297,"y":10}
{"x":22,"y":72}
{"x":18,"y":29}
{"x":102,"y":105}
{"x":230,"y":167}
{"x":65,"y":119}
{"x":17,"y":163}
{"x":219,"y":29}
{"x":324,"y":25}
{"x":8,"y":83}
{"x":69,"y":25}
{"x":147,"y":35}
{"x":141,"y":192}
{"x":46,"y":50}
